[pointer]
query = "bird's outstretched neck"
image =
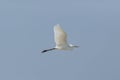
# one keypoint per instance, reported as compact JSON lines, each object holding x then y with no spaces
{"x":48,"y":50}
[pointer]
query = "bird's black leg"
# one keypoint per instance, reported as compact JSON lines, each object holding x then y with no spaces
{"x":48,"y":50}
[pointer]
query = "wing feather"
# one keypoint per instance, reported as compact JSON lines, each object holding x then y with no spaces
{"x":60,"y":36}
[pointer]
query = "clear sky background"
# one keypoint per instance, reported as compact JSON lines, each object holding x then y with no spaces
{"x":26,"y":28}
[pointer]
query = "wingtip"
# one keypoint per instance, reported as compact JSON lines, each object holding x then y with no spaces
{"x":57,"y":25}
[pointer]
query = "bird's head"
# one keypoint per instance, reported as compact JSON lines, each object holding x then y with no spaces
{"x":73,"y":46}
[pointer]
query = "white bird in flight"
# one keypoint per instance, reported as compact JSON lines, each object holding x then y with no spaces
{"x":60,"y":38}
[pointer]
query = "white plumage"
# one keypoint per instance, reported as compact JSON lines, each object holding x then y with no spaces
{"x":60,"y":38}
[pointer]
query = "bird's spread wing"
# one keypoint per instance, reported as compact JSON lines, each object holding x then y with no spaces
{"x":60,"y":36}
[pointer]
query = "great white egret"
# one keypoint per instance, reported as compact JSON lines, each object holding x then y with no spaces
{"x":61,"y":40}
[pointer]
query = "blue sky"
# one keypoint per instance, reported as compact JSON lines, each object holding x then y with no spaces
{"x":26,"y":28}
